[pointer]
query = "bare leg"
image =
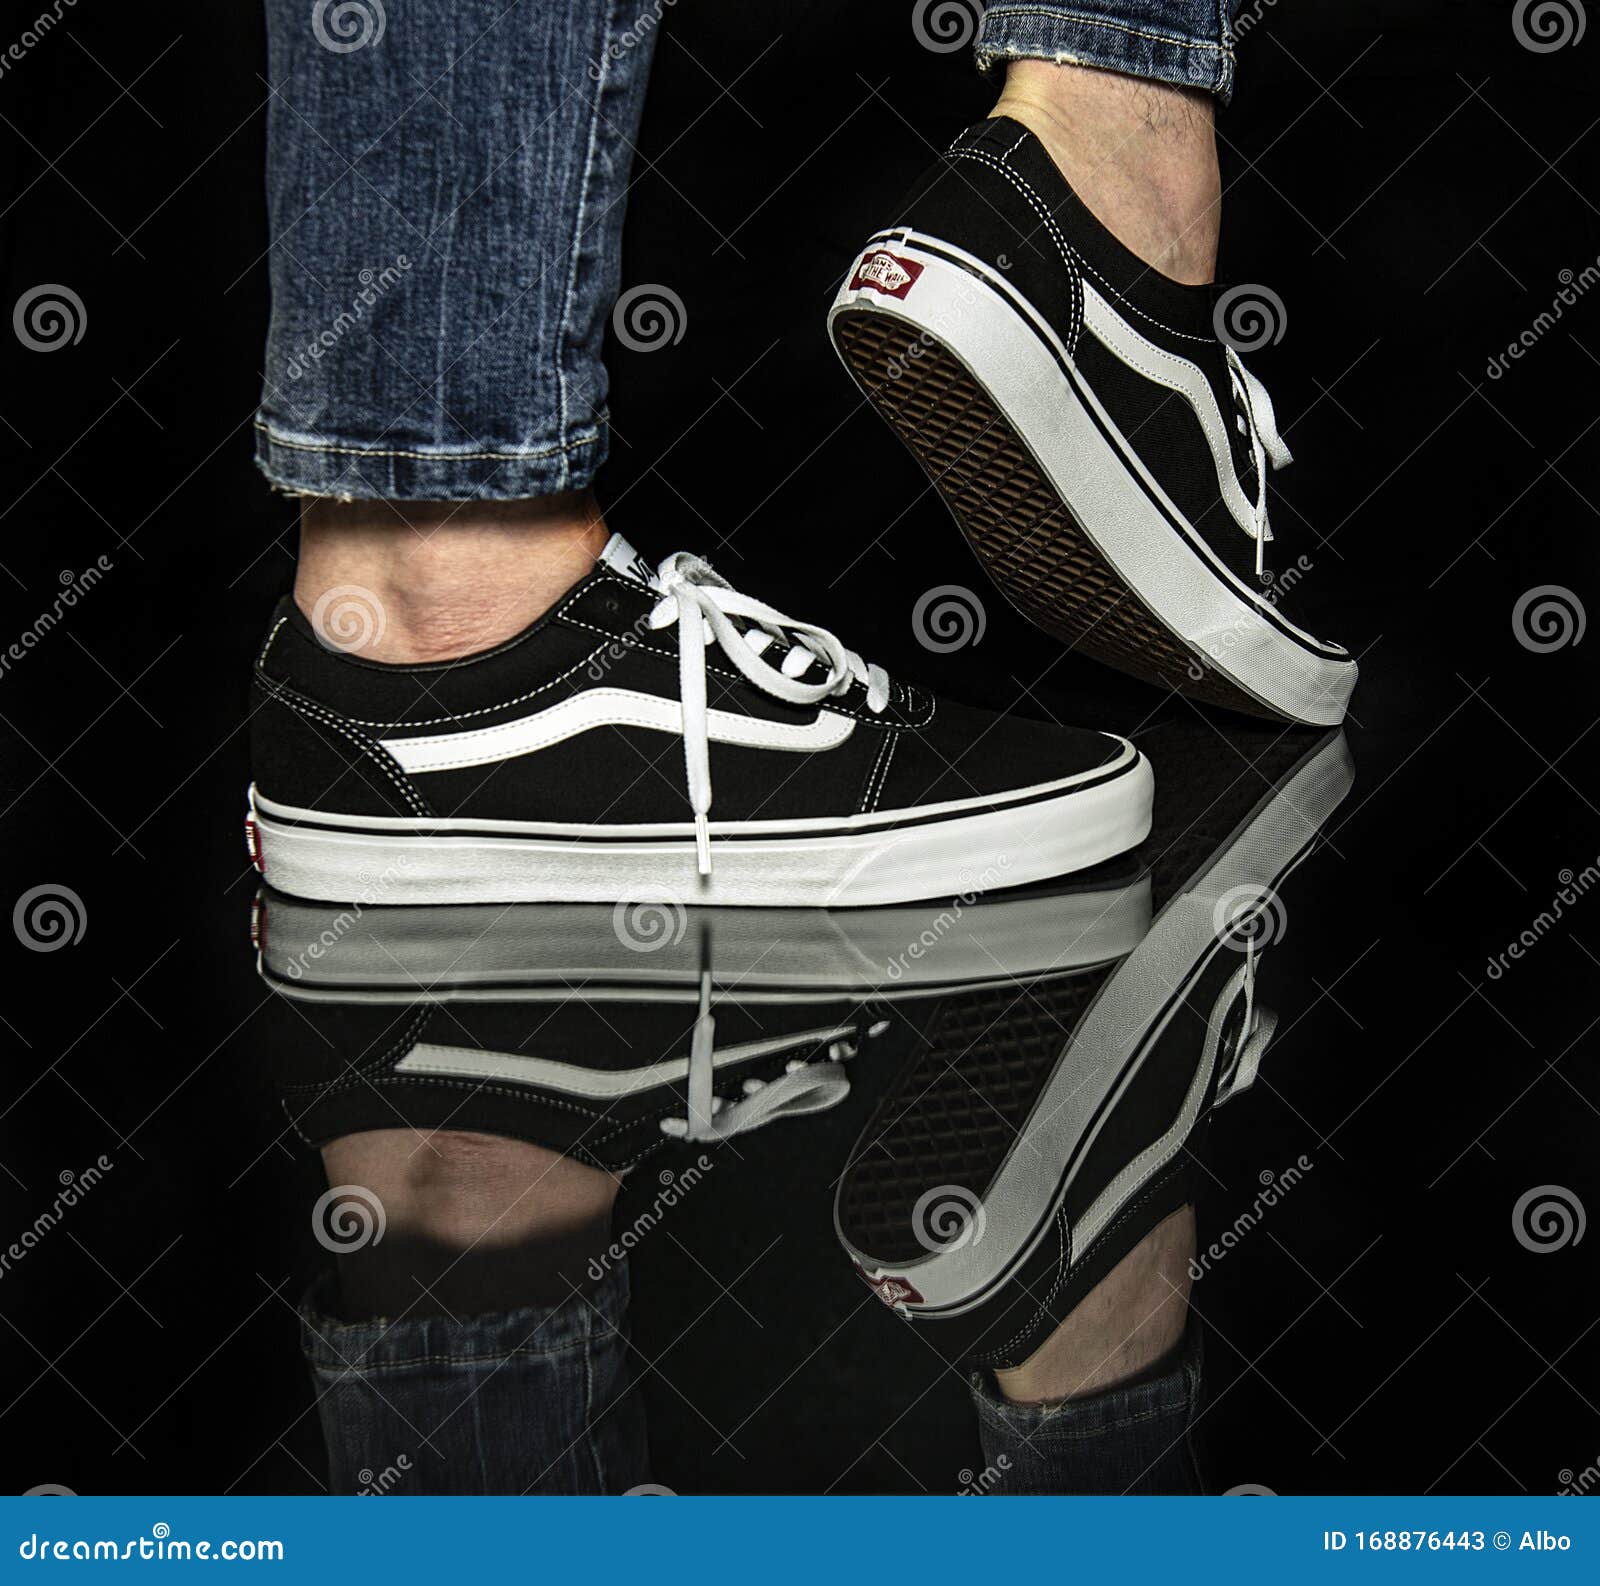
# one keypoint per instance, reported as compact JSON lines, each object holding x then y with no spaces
{"x":475,"y":1223}
{"x":1142,"y":155}
{"x":1125,"y":1324}
{"x":410,"y":581}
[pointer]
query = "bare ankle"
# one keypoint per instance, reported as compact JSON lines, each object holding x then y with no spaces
{"x":1141,"y":155}
{"x":1133,"y":1317}
{"x":430,"y":580}
{"x":472,"y":1222}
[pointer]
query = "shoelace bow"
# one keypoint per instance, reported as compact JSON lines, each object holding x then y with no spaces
{"x":1259,"y":425}
{"x":802,"y":1087}
{"x":703,"y":605}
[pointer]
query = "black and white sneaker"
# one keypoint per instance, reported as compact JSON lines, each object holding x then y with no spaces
{"x":1043,"y":1131}
{"x":1105,"y":453}
{"x":604,"y":1031}
{"x":576,"y":763}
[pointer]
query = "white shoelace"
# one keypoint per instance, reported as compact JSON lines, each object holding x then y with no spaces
{"x":703,"y":604}
{"x":1259,"y":1025}
{"x":1259,"y":424}
{"x":801,"y":1088}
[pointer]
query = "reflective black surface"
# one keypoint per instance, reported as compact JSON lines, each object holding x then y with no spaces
{"x":1394,"y":1323}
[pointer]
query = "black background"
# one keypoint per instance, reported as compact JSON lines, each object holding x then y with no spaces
{"x":1409,"y":179}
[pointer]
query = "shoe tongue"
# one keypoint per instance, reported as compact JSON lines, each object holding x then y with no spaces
{"x":621,"y":558}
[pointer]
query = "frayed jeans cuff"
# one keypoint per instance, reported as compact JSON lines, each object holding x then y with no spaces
{"x":1082,"y":36}
{"x":317,"y":465}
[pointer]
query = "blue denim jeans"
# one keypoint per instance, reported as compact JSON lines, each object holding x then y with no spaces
{"x":528,"y":1401}
{"x":1133,"y":1439}
{"x":445,"y":188}
{"x":541,"y":1401}
{"x":446,"y":181}
{"x":1187,"y":42}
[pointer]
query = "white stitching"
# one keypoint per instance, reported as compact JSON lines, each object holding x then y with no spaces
{"x":506,"y":704}
{"x":373,"y":751}
{"x":261,"y":660}
{"x":872,"y":776}
{"x":881,"y":773}
{"x":1083,"y":263}
{"x":277,"y":438}
{"x":1063,"y":247}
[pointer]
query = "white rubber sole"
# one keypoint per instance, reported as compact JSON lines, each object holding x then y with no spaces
{"x":494,"y":952}
{"x":860,"y":862}
{"x":1102,"y":1055}
{"x":1018,"y":359}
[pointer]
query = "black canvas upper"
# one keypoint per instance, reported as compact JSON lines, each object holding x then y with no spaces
{"x":319,"y":715}
{"x":997,"y":194}
{"x":971,"y":1096}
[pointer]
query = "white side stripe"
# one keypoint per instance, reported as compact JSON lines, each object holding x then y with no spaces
{"x":575,"y":1079}
{"x":1155,"y":363}
{"x":611,"y":707}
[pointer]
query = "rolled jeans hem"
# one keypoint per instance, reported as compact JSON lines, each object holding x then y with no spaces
{"x":315,"y":465}
{"x":1080,"y":38}
{"x":1132,"y":1438}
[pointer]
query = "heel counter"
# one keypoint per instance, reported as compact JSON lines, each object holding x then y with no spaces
{"x":308,"y":756}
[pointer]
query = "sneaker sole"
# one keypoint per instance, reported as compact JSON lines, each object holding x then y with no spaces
{"x":1101,"y":1057}
{"x":537,"y":952}
{"x":988,"y":401}
{"x":862,"y":860}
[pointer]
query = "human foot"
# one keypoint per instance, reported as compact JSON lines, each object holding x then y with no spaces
{"x":575,"y":763}
{"x":1142,"y":155}
{"x":408,"y":581}
{"x":1102,"y":448}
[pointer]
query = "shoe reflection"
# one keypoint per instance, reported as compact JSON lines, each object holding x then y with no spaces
{"x":1043,"y":1061}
